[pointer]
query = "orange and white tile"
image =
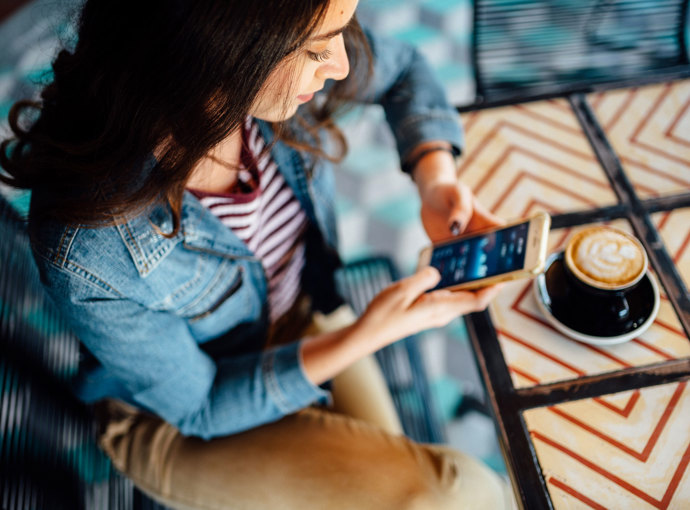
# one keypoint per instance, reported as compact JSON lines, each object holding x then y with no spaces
{"x":649,"y":128}
{"x":627,"y":450}
{"x":532,"y":156}
{"x":674,"y":228}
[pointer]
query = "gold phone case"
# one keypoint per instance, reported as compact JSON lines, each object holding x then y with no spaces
{"x":513,"y":275}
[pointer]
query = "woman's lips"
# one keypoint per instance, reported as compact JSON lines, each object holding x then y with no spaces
{"x":306,"y":97}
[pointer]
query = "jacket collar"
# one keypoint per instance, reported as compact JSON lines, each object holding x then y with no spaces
{"x":202,"y":230}
{"x":199,"y":228}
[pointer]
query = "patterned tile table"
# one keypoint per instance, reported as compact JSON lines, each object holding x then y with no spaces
{"x":627,"y":450}
{"x":650,"y":129}
{"x":523,"y":157}
{"x":589,"y":426}
{"x":674,"y":227}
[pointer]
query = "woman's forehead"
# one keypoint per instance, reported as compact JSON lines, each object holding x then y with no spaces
{"x":337,"y":17}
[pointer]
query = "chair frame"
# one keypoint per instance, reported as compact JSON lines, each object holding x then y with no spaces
{"x":542,"y":92}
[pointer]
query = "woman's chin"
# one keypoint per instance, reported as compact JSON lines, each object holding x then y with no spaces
{"x":277,"y":115}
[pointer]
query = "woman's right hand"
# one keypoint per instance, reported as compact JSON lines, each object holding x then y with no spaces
{"x":402,"y":309}
{"x":405,"y":307}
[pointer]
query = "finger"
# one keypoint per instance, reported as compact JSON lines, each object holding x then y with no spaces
{"x":415,"y":285}
{"x":439,"y":307}
{"x":461,"y":209}
{"x":486,"y":295}
{"x":485,"y":212}
{"x":466,"y":301}
{"x":483,"y":218}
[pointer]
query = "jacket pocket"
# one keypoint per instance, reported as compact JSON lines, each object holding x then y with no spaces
{"x":231,"y":290}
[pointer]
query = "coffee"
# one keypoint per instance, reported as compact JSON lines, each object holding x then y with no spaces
{"x":606,"y":258}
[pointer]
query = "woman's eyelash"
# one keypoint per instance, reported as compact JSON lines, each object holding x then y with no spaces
{"x":321,"y":56}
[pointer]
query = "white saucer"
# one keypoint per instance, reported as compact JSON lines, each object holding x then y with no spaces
{"x":543,"y":301}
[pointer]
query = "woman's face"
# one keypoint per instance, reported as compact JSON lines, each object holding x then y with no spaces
{"x":299,"y":76}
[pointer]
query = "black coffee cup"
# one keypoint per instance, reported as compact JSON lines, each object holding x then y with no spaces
{"x":588,"y":255}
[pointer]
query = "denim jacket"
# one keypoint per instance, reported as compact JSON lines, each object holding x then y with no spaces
{"x":176,"y":325}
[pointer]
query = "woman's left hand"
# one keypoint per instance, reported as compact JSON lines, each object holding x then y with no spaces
{"x":450,"y":208}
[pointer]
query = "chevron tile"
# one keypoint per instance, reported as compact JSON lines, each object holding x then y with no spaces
{"x":538,"y":354}
{"x":594,"y":457}
{"x":649,"y":128}
{"x":532,"y":156}
{"x":674,"y":227}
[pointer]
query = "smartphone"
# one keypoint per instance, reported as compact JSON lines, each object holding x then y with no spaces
{"x":512,"y":251}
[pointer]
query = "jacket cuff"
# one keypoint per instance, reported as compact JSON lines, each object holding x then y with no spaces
{"x":431,"y":126}
{"x":286,"y":382}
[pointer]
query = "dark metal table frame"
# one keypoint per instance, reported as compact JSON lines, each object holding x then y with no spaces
{"x":509,"y":403}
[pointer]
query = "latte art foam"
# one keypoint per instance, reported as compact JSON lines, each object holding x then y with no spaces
{"x":606,"y":257}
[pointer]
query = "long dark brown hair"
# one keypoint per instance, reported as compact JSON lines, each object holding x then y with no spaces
{"x":177,"y":76}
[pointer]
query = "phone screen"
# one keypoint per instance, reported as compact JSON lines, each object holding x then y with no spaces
{"x":473,"y":258}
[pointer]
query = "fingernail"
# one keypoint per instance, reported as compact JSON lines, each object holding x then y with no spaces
{"x":455,"y":228}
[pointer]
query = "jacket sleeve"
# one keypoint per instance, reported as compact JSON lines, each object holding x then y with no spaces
{"x":414,"y":101}
{"x":163,"y":369}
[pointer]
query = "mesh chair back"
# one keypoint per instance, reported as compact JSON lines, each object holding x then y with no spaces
{"x":49,"y":459}
{"x":527,"y":49}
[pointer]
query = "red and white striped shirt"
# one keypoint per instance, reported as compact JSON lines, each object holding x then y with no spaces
{"x":267,"y":216}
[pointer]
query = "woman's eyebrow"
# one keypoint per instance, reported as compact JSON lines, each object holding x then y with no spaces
{"x":330,"y":34}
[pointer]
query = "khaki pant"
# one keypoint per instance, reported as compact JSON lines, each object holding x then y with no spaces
{"x":350,"y":457}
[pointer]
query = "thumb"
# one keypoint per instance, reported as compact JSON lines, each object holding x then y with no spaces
{"x":423,"y":280}
{"x":482,"y":218}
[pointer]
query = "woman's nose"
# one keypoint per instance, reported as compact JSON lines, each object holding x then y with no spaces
{"x":338,"y":66}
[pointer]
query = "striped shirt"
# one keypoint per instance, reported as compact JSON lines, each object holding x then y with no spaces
{"x":265,"y":214}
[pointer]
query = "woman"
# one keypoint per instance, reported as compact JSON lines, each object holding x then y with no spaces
{"x":182,"y":221}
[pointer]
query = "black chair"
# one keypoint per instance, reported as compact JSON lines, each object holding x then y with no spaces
{"x":532,"y":49}
{"x":48,"y":454}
